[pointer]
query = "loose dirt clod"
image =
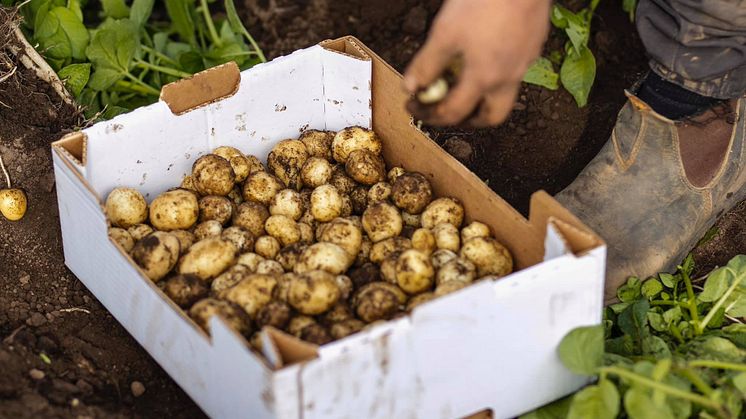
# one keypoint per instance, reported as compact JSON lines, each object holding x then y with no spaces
{"x":137,"y":388}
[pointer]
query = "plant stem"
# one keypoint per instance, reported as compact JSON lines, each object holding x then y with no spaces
{"x":692,"y":376}
{"x":160,"y":55}
{"x":677,"y":333}
{"x":664,"y":303}
{"x":692,"y":301}
{"x":720,"y":302}
{"x":7,"y":177}
{"x":165,"y":70}
{"x":138,"y":86}
{"x":671,"y":391}
{"x":706,"y":363}
{"x":210,"y":24}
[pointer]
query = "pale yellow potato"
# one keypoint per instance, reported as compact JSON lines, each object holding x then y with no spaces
{"x":382,"y":221}
{"x":267,"y":246}
{"x":420,"y":299}
{"x":449,"y":287}
{"x":213,"y":175}
{"x":378,"y":301}
{"x":157,"y":253}
{"x":354,"y":138}
{"x":287,"y":202}
{"x":443,"y":210}
{"x":261,"y":187}
{"x":365,"y":167}
{"x":447,"y":237}
{"x":381,"y":191}
{"x":289,"y":255}
{"x":423,"y":240}
{"x":275,"y":314}
{"x":240,"y":164}
{"x":412,"y":220}
{"x":251,"y":217}
{"x":345,"y":328}
{"x":230,"y":277}
{"x":488,"y":255}
{"x":318,"y":143}
{"x":242,"y":239}
{"x":174,"y":210}
{"x":126,"y":207}
{"x":250,"y":260}
{"x":122,"y":238}
{"x":394,"y":173}
{"x":252,"y":293}
{"x":186,"y":239}
{"x":286,"y":160}
{"x":138,"y":231}
{"x":214,"y":207}
{"x":340,"y":180}
{"x":236,"y":319}
{"x":208,"y":258}
{"x":306,"y":233}
{"x":442,"y":256}
{"x":206,"y":229}
{"x":411,"y":192}
{"x":270,"y":267}
{"x":323,"y":256}
{"x":414,"y":272}
{"x":316,"y":172}
{"x":326,"y":203}
{"x":185,"y":290}
{"x":475,"y":229}
{"x":345,"y":234}
{"x":456,"y":270}
{"x":379,"y":251}
{"x":313,"y":292}
{"x":298,"y":323}
{"x":283,"y":228}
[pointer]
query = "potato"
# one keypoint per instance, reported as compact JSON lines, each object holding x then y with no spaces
{"x":251,"y":217}
{"x":252,"y":293}
{"x":318,"y":143}
{"x":381,"y":191}
{"x":449,"y":287}
{"x":275,"y":314}
{"x":346,"y":206}
{"x":289,"y":255}
{"x":382,"y":221}
{"x":345,"y":234}
{"x":456,"y":270}
{"x":443,"y":210}
{"x":242,"y":239}
{"x":213,"y":175}
{"x":255,"y":164}
{"x":341,"y":311}
{"x":356,"y":220}
{"x":122,"y":238}
{"x":313,"y":292}
{"x":365,"y":167}
{"x":188,"y":184}
{"x":157,"y":253}
{"x":305,"y":198}
{"x":267,"y":246}
{"x":354,"y":138}
{"x":394,"y":173}
{"x":217,"y":208}
{"x":236,"y":319}
{"x":419,"y":299}
{"x":388,"y":268}
{"x":424,"y":240}
{"x":211,"y":228}
{"x":380,"y":250}
{"x":442,"y":256}
{"x":283,"y":228}
{"x":287,"y":202}
{"x":307,"y":218}
{"x":364,"y":275}
{"x":344,"y":283}
{"x":298,"y":323}
{"x":326,"y":203}
{"x":240,"y":164}
{"x":412,"y":220}
{"x":126,"y":207}
{"x":139,"y":231}
{"x":230,"y":277}
{"x":345,"y":328}
{"x":446,"y":237}
{"x":185,"y":290}
{"x":344,"y":184}
{"x":235,"y":196}
{"x":270,"y":267}
{"x":414,"y":271}
{"x":411,"y":192}
{"x":250,"y":260}
{"x":186,"y":239}
{"x":208,"y":258}
{"x":359,"y":199}
{"x":174,"y":210}
{"x":489,"y":256}
{"x":282,"y":290}
{"x":378,"y":301}
{"x":261,"y":187}
{"x":475,"y":229}
{"x":306,"y":233}
{"x":286,"y":160}
{"x":323,"y":256}
{"x":316,"y":334}
{"x":363,"y":255}
{"x":316,"y":172}
{"x":256,"y":342}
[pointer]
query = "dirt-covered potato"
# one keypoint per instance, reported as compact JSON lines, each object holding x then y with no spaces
{"x":456,"y":270}
{"x":326,"y":203}
{"x":261,"y":187}
{"x":307,"y":218}
{"x":214,"y":207}
{"x":208,"y":258}
{"x":283,"y":228}
{"x":328,"y":257}
{"x":379,"y":192}
{"x":250,"y":260}
{"x":345,"y":234}
{"x":242,"y":239}
{"x":443,"y":210}
{"x":240,"y":164}
{"x":442,"y":256}
{"x":289,"y":255}
{"x":185,"y":290}
{"x":298,"y":323}
{"x":354,"y":138}
{"x":394,"y":173}
{"x":126,"y":207}
{"x":363,"y":256}
{"x":306,"y":233}
{"x":344,"y":283}
{"x":423,"y":240}
{"x":379,"y":251}
{"x":359,"y":199}
{"x":316,"y":334}
{"x":475,"y":229}
{"x":275,"y":314}
{"x":378,"y":301}
{"x":270,"y":267}
{"x":313,"y":292}
{"x":230,"y":277}
{"x":213,"y":175}
{"x":122,"y":238}
{"x":318,"y":143}
{"x":488,"y":255}
{"x":287,"y":202}
{"x":210,"y":228}
{"x":252,"y":293}
{"x":236,"y":319}
{"x":346,"y":210}
{"x":414,"y":271}
{"x":188,"y":184}
{"x":449,"y":287}
{"x":341,"y":311}
{"x":186,"y":239}
{"x":388,"y":268}
{"x":255,"y":164}
{"x":446,"y":237}
{"x":235,"y":196}
{"x":419,"y":299}
{"x":316,"y":172}
{"x":411,"y":192}
{"x":411,"y":220}
{"x":365,"y":274}
{"x":365,"y":167}
{"x":282,"y":290}
{"x":157,"y":253}
{"x":256,"y":342}
{"x":139,"y":231}
{"x":174,"y":210}
{"x":286,"y":160}
{"x":345,"y":328}
{"x":251,"y":217}
{"x":382,"y":221}
{"x":267,"y":246}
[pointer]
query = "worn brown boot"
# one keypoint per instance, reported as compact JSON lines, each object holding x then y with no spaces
{"x":658,"y":185}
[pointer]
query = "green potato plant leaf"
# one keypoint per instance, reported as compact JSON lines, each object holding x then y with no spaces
{"x":542,"y":73}
{"x":111,"y":52}
{"x":639,"y":405}
{"x":62,"y":35}
{"x":577,"y":74}
{"x":581,"y":351}
{"x":555,"y":410}
{"x":116,"y":9}
{"x":630,"y":291}
{"x":140,"y":11}
{"x":739,"y":382}
{"x":75,"y":77}
{"x":599,"y":401}
{"x":651,"y":288}
{"x":634,"y":320}
{"x":182,"y":21}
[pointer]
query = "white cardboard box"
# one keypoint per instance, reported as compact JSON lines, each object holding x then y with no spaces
{"x":489,"y":346}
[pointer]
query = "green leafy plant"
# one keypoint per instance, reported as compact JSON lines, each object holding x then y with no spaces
{"x":577,"y":63}
{"x":668,"y":349}
{"x":121,"y":61}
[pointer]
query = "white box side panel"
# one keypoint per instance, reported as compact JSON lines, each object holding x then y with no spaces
{"x":347,"y":91}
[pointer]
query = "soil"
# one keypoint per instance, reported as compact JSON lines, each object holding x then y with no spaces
{"x":63,"y":355}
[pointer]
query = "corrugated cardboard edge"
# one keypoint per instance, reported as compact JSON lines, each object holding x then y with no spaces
{"x":74,"y":147}
{"x":202,"y":89}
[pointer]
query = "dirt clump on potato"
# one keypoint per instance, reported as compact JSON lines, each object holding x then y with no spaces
{"x":157,"y":253}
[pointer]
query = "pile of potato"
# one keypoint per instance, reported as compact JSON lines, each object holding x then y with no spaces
{"x":320,"y":242}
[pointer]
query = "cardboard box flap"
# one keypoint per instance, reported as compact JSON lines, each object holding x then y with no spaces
{"x":201,"y":89}
{"x":73,"y":146}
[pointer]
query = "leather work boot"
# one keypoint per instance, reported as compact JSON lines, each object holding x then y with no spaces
{"x":657,"y":186}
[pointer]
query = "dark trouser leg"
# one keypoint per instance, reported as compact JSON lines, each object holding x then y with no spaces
{"x":698,"y":45}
